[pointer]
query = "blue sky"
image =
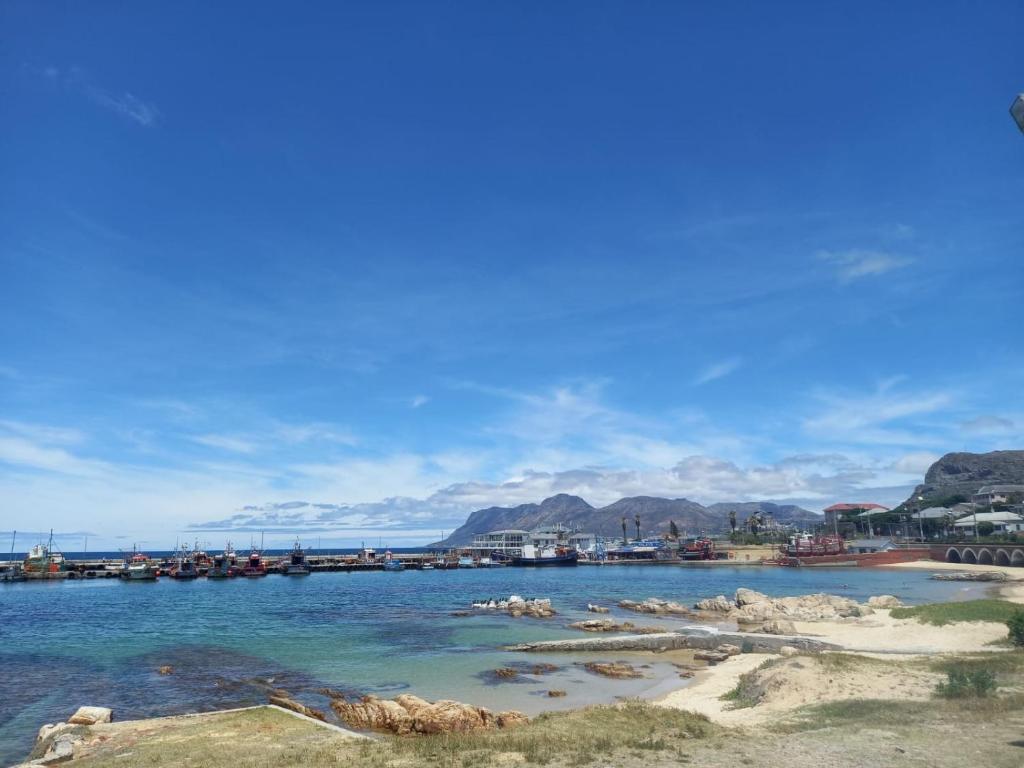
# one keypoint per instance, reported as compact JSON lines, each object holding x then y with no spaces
{"x":355,"y":269}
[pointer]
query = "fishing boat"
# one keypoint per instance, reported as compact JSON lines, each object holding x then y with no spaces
{"x":138,"y":568}
{"x":698,"y":549}
{"x":224,"y":565}
{"x":184,"y":567}
{"x":467,"y":561}
{"x":391,"y":563}
{"x":558,"y":555}
{"x":12,"y":571}
{"x":254,"y":566}
{"x":427,"y":566}
{"x":202,"y":560}
{"x":43,"y":562}
{"x":296,"y":564}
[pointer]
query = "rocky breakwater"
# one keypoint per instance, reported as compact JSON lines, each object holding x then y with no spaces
{"x":516,"y":606}
{"x":775,"y":615}
{"x":407,"y":714}
{"x":657,"y":606}
{"x":59,"y":742}
{"x":608,"y":625}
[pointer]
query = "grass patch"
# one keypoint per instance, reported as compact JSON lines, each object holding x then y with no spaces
{"x":968,"y":610}
{"x":862,"y":712}
{"x":581,"y":737}
{"x":747,"y":692}
{"x":1010,"y":663}
{"x":965,"y":682}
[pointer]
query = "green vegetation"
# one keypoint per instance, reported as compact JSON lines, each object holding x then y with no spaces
{"x":970,"y":610}
{"x":985,"y":528}
{"x":578,"y":738}
{"x":963,"y":682}
{"x":1016,"y":626}
{"x":747,"y":692}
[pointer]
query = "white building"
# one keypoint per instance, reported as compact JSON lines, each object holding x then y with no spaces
{"x":1002,"y":522}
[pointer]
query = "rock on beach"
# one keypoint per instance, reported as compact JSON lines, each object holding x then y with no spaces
{"x":408,"y":714}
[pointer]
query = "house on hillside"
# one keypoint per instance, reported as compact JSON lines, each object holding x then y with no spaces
{"x":1002,"y":522}
{"x":998,"y":494}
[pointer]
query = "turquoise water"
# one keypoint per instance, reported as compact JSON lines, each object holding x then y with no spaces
{"x":101,"y":642}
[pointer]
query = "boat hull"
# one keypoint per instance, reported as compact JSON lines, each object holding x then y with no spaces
{"x":556,"y":561}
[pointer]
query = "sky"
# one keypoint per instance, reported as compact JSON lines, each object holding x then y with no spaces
{"x":351,"y":270}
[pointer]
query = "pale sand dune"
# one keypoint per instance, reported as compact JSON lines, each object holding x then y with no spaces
{"x":703,"y":694}
{"x":880,"y":633}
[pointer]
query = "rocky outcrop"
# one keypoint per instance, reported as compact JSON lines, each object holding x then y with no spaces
{"x":554,"y":694}
{"x":884,"y":601}
{"x":970,"y":576}
{"x":166,"y":669}
{"x":516,"y":606}
{"x":618,"y":670}
{"x":408,"y":714}
{"x":90,"y":716}
{"x":778,"y":627}
{"x":749,"y":607}
{"x":56,"y":743}
{"x":596,"y":608}
{"x":607,"y":625}
{"x":655,"y":605}
{"x":285,"y":701}
{"x":962,"y":474}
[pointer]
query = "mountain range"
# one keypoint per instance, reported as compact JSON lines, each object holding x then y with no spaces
{"x":655,"y":516}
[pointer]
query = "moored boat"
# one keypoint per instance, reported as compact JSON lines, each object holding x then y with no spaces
{"x":139,"y":568}
{"x":546,"y":556}
{"x":184,"y":567}
{"x":254,"y":566}
{"x":43,"y":562}
{"x":296,"y":564}
{"x":391,"y":563}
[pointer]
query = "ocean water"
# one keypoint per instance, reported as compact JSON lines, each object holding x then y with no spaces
{"x":101,"y":642}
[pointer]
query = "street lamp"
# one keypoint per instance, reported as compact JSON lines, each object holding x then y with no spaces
{"x":1017,"y":111}
{"x":920,"y":519}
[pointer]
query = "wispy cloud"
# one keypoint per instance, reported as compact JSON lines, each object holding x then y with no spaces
{"x":123,"y":103}
{"x":718,"y":370}
{"x":225,"y":442}
{"x":857,"y":263}
{"x":988,"y":425}
{"x":418,"y":401}
{"x":886,"y":416}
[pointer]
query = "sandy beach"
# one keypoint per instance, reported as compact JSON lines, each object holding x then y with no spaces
{"x":1013,"y":573}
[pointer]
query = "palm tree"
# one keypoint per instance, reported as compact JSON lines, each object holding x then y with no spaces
{"x":732,"y":520}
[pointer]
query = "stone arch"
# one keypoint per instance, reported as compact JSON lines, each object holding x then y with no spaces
{"x":985,"y":557}
{"x":1017,"y":557}
{"x":1002,"y":557}
{"x":952,"y":555}
{"x":968,"y":556}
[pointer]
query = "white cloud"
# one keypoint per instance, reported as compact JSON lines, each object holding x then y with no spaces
{"x":857,"y":263}
{"x":419,"y":400}
{"x":225,"y":442}
{"x":988,"y":425}
{"x":880,"y":418}
{"x":125,"y":104}
{"x":718,"y":370}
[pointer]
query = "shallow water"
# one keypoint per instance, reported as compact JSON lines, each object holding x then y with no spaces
{"x":100,"y":642}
